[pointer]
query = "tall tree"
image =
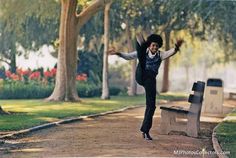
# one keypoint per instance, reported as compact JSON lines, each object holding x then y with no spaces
{"x":129,"y":15}
{"x":71,"y":21}
{"x":175,"y":17}
{"x":172,"y":16}
{"x":165,"y":79}
{"x":130,"y":11}
{"x":133,"y":85}
{"x":105,"y":85}
{"x":8,"y":47}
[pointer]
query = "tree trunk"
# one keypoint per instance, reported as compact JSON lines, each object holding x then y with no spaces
{"x":133,"y":85}
{"x":205,"y":68}
{"x":105,"y":85}
{"x":70,"y":25}
{"x":2,"y":112}
{"x":165,"y":81}
{"x":13,"y":60}
{"x":65,"y":89}
{"x":187,"y":76}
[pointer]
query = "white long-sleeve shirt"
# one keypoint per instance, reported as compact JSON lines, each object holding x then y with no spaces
{"x":134,"y":55}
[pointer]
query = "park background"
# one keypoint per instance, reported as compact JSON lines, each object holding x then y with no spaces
{"x":30,"y":48}
{"x":29,"y":39}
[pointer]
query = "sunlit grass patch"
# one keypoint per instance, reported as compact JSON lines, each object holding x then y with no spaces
{"x":29,"y":113}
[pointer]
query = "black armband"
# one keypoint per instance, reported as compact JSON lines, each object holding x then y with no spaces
{"x":118,"y":53}
{"x":176,"y":48}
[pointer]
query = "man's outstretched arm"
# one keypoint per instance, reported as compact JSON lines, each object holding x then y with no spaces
{"x":166,"y":54}
{"x":126,"y":56}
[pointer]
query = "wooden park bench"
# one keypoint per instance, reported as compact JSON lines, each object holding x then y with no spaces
{"x":176,"y":118}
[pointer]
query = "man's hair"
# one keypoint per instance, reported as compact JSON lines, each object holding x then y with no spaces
{"x":155,"y":38}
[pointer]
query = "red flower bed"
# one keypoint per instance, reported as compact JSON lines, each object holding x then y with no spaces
{"x":37,"y":75}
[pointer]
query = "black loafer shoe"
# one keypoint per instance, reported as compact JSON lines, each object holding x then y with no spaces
{"x":146,"y":136}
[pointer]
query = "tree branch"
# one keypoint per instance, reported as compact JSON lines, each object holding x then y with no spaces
{"x":168,"y":25}
{"x":88,"y":12}
{"x":5,"y":61}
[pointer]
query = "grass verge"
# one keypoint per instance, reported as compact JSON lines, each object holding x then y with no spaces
{"x":29,"y":113}
{"x":226,"y":134}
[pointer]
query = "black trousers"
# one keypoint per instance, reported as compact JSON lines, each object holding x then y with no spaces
{"x":150,"y":90}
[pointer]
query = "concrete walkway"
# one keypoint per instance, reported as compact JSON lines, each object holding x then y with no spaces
{"x":111,"y":135}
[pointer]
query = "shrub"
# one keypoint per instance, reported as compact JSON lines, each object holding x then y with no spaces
{"x":19,"y":90}
{"x":37,"y":90}
{"x":115,"y":91}
{"x":92,"y":90}
{"x":86,"y":89}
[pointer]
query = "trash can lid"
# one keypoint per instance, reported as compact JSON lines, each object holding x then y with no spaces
{"x":215,"y":82}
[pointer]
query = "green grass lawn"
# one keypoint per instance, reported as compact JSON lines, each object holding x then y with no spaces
{"x":226,"y":134}
{"x":29,"y":113}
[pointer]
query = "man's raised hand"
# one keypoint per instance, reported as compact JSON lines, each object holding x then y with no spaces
{"x":112,"y":51}
{"x":179,"y":42}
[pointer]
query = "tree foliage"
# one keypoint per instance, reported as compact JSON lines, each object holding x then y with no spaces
{"x":29,"y":26}
{"x":220,"y":16}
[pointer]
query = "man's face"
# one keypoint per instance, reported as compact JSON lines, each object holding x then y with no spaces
{"x":153,"y":47}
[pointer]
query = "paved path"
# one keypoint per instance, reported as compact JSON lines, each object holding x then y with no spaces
{"x":111,"y":135}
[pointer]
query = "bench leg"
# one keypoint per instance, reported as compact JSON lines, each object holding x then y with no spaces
{"x":193,"y":126}
{"x":165,"y":122}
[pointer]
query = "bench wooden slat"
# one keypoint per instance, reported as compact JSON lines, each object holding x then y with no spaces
{"x":198,"y":87}
{"x":175,"y":109}
{"x":195,"y":99}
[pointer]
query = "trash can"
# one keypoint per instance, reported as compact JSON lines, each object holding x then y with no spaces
{"x":213,"y":100}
